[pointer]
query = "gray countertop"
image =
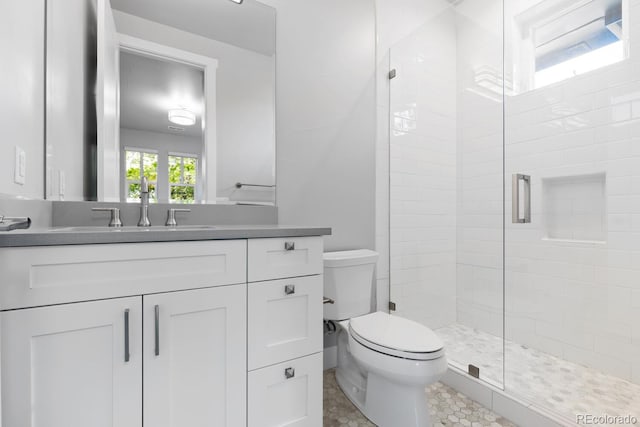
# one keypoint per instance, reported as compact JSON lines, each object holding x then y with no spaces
{"x":100,"y":235}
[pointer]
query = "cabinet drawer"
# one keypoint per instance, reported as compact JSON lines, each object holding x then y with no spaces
{"x":35,"y":276}
{"x":285,"y":320}
{"x":280,"y":258}
{"x":288,"y":394}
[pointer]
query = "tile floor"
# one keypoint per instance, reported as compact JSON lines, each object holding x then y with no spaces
{"x":559,"y":385}
{"x":448,"y":408}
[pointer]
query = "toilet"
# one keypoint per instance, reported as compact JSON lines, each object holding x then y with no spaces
{"x":385,"y":362}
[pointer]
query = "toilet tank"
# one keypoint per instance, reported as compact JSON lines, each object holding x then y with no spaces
{"x":348,"y":280}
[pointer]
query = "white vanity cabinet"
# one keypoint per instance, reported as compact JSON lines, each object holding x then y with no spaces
{"x":162,"y":334}
{"x":285,"y":332}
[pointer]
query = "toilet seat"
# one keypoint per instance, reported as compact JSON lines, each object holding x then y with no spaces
{"x":396,"y":336}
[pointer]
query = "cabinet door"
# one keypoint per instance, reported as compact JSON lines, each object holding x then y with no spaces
{"x":73,"y":365}
{"x":195,"y":358}
{"x":288,"y":394}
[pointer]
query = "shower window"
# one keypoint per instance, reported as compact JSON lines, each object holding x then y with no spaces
{"x":558,"y":40}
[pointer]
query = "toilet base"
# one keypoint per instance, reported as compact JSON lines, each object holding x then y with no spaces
{"x":384,"y":402}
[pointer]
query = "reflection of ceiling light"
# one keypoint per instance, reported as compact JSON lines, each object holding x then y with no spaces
{"x":237,"y":1}
{"x":182,"y":117}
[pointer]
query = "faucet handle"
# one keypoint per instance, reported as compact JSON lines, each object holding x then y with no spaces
{"x":115,"y":220}
{"x":171,"y":216}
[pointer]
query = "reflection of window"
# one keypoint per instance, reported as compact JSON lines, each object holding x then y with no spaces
{"x":183,"y":170}
{"x":140,"y":163}
{"x":404,"y":120}
{"x":565,"y":38}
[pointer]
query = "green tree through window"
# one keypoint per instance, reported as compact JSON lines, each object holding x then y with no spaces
{"x":183,"y":172}
{"x":137,"y":164}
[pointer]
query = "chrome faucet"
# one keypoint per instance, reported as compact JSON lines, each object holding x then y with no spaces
{"x":144,"y":203}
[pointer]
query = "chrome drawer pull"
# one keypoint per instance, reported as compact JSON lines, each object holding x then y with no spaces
{"x":289,"y":289}
{"x":289,"y":373}
{"x":289,"y":246}
{"x":127,"y":353}
{"x":326,"y":300}
{"x":156,"y":331}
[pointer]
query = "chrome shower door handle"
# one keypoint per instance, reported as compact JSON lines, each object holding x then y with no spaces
{"x":515,"y":199}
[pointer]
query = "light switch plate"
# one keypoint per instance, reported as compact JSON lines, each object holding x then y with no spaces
{"x":20,"y":167}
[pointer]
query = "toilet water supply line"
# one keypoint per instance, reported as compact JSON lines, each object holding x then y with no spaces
{"x":329,"y":327}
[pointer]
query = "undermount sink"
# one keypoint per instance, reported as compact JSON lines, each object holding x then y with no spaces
{"x":90,"y":229}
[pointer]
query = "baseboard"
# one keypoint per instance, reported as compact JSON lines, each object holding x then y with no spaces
{"x":330,"y":357}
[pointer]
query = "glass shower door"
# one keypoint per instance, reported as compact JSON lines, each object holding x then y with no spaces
{"x":446,"y":194}
{"x":572,"y":175}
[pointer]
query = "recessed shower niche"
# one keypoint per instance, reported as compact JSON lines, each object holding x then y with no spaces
{"x":574,"y":207}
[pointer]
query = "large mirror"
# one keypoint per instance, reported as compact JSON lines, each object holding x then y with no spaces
{"x":181,"y":92}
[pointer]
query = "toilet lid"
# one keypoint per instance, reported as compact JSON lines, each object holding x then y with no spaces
{"x":396,"y":336}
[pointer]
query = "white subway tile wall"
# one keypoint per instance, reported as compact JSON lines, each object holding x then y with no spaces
{"x":422,"y":154}
{"x":479,"y":170}
{"x":572,"y":273}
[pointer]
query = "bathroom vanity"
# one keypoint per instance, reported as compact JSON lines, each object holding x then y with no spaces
{"x":220,"y":326}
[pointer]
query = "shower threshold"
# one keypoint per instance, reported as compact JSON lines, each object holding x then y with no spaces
{"x":560,"y":386}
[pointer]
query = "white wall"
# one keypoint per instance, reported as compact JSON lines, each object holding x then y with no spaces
{"x":326,"y":117}
{"x":22,"y":94}
{"x":164,"y":144}
{"x":245,"y":104}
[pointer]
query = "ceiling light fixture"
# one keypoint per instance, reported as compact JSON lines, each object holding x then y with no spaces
{"x":182,"y":117}
{"x":237,"y":1}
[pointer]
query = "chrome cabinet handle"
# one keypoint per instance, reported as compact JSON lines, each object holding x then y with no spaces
{"x":289,"y":246}
{"x":289,"y":373}
{"x":290,"y":289}
{"x":127,"y":354}
{"x":515,"y":199}
{"x":157,"y":330}
{"x":326,"y":300}
{"x":114,"y":220}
